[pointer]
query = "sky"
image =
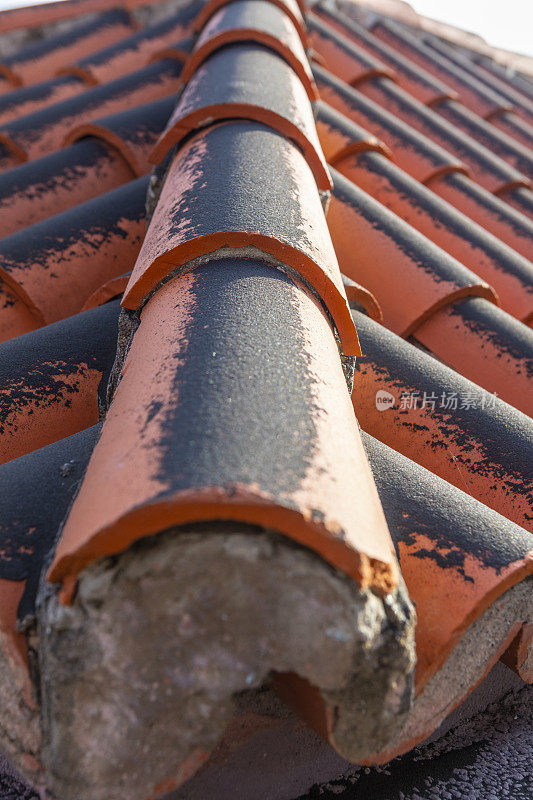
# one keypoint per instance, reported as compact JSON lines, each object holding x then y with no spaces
{"x":502,"y":23}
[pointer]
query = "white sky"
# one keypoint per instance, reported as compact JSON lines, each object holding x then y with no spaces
{"x":503,"y":23}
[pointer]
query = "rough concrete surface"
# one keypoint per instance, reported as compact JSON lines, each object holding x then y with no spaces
{"x":142,"y":672}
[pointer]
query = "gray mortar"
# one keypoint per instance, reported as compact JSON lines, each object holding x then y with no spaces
{"x":19,"y":723}
{"x":467,"y":663}
{"x":129,"y":321}
{"x":147,"y":663}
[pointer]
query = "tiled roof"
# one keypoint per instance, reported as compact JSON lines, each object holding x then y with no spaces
{"x":266,"y":299}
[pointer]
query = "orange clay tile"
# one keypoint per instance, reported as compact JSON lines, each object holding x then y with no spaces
{"x":457,"y":557}
{"x":293,"y":9}
{"x":41,"y":60}
{"x":359,"y":296}
{"x":425,"y":161}
{"x":341,"y":56}
{"x":56,"y":264}
{"x":39,"y":15}
{"x":132,"y":133}
{"x":455,"y":554}
{"x":417,"y":81}
{"x":133,"y":52}
{"x":13,"y":643}
{"x":231,"y":85}
{"x":472,"y":93}
{"x":409,"y":275}
{"x":28,"y":99}
{"x":487,"y":346}
{"x":428,"y":90}
{"x":444,"y":422}
{"x":258,"y":21}
{"x":15,"y":316}
{"x":228,"y":319}
{"x":45,"y":131}
{"x":200,"y":210}
{"x":413,"y":152}
{"x":113,"y":288}
{"x":454,"y":566}
{"x":340,"y":137}
{"x":508,"y":272}
{"x":31,"y":192}
{"x":489,"y":170}
{"x":344,"y":58}
{"x":486,"y":209}
{"x":49,"y":380}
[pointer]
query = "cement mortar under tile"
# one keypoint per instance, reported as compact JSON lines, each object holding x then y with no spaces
{"x":122,"y":712}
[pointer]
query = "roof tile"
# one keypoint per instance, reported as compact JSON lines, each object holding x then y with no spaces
{"x":230,"y":85}
{"x":221,"y":319}
{"x":200,"y":211}
{"x":253,"y":20}
{"x":367,"y":163}
{"x":50,"y":379}
{"x":41,"y":60}
{"x":56,"y":264}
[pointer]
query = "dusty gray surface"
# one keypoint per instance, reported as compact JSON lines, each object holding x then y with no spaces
{"x":122,"y":713}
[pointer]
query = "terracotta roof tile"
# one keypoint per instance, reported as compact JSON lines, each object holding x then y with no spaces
{"x":41,"y":60}
{"x":50,"y":379}
{"x":258,"y":21}
{"x":229,"y":85}
{"x":366,"y":162}
{"x":199,"y":212}
{"x":428,"y":90}
{"x":211,"y":446}
{"x":456,"y":429}
{"x":151,"y":495}
{"x":59,"y":181}
{"x":56,"y":264}
{"x":293,"y":8}
{"x":132,"y":52}
{"x":428,"y":163}
{"x":44,"y":131}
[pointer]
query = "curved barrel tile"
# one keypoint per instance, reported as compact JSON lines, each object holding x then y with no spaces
{"x":345,"y":59}
{"x":410,"y":276}
{"x":258,"y":21}
{"x":177,"y":448}
{"x":488,"y":169}
{"x":41,"y":60}
{"x":231,"y":85}
{"x":31,"y":192}
{"x":436,"y":417}
{"x":56,"y":264}
{"x":132,"y":52}
{"x":471,"y":92}
{"x":15,"y":316}
{"x":340,"y":137}
{"x":50,"y":380}
{"x":132,"y":133}
{"x":412,"y":151}
{"x":459,"y":560}
{"x":292,"y":8}
{"x":508,"y":272}
{"x":201,"y":210}
{"x":359,"y":297}
{"x":36,"y":491}
{"x":46,"y":130}
{"x":486,"y":345}
{"x":417,"y":81}
{"x":29,"y":99}
{"x":113,"y":288}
